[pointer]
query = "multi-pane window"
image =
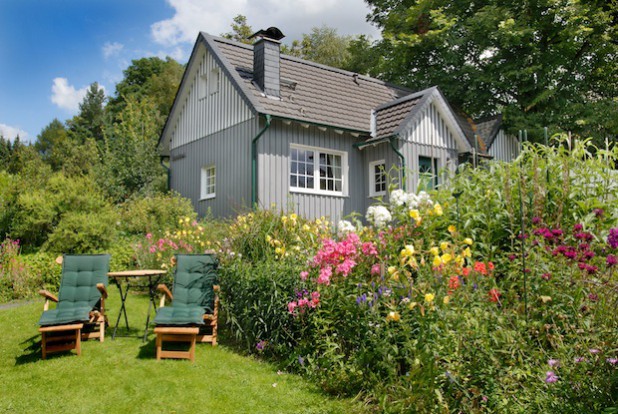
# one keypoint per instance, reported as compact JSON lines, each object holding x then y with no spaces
{"x":377,"y":178}
{"x":208,"y":182}
{"x":428,"y":173}
{"x":317,"y":170}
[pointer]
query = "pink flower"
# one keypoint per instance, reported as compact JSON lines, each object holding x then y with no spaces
{"x":594,"y":351}
{"x":152,"y":249}
{"x":302,"y":303}
{"x":304,"y":275}
{"x":346,"y":267}
{"x":550,"y":377}
{"x":149,"y":236}
{"x":369,"y":249}
{"x":325,"y":274}
{"x":612,"y":361}
{"x":315,"y":295}
{"x":376,"y":269}
{"x":291,"y":306}
{"x":554,"y":363}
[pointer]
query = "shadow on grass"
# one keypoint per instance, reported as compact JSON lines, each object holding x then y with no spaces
{"x":147,"y":350}
{"x":32,"y":351}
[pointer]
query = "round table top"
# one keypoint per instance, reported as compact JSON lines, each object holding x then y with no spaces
{"x":137,"y":273}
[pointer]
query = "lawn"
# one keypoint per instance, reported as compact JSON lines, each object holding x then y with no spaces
{"x":122,"y":375}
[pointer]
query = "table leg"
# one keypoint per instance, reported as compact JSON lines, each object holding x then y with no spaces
{"x":152,"y":301}
{"x":123,"y":309}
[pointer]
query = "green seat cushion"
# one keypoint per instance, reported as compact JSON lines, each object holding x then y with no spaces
{"x":180,"y":315}
{"x":195,"y":276}
{"x":78,"y":293}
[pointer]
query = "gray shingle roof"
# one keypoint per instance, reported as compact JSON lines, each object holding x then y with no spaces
{"x":389,"y":119}
{"x":488,"y":129}
{"x":312,"y":92}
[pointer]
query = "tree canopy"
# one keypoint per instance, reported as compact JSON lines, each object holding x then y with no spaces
{"x":542,"y":63}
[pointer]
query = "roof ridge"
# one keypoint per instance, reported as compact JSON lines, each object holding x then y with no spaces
{"x":405,"y":98}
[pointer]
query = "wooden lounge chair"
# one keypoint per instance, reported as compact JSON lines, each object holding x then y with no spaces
{"x":80,"y":302}
{"x":192,"y":317}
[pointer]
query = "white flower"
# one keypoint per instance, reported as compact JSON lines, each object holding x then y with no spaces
{"x":413,"y":201}
{"x":378,"y":215}
{"x":424,"y":200}
{"x":345,"y":227}
{"x":398,"y":198}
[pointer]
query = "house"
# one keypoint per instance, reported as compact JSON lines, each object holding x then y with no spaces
{"x":252,"y":126}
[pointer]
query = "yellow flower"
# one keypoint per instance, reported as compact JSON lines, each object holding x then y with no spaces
{"x":393,"y":316}
{"x":434,"y":250}
{"x":306,"y":228}
{"x":459,"y":260}
{"x":452,"y":229}
{"x":391,"y":270}
{"x":437,"y":261}
{"x":437,"y":209}
{"x":395,"y":277}
{"x":429,"y":297}
{"x":293,"y":216}
{"x":466,"y":252}
{"x":284,"y":219}
{"x":412,"y":305}
{"x":268,"y":238}
{"x":415,"y":215}
{"x":446,"y":258}
{"x":468,"y":241}
{"x":446,"y":300}
{"x":444,"y":246}
{"x":407,"y":251}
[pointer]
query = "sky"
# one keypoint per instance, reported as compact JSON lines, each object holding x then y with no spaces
{"x":52,"y":50}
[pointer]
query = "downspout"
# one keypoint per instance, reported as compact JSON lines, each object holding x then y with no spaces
{"x":402,"y":158}
{"x":168,"y":173}
{"x":254,"y":161}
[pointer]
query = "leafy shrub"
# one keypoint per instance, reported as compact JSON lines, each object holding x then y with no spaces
{"x":42,"y":267}
{"x":154,"y":214}
{"x":16,"y":278}
{"x":83,"y":232}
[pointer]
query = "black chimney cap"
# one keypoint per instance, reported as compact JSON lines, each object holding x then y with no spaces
{"x":271,"y":33}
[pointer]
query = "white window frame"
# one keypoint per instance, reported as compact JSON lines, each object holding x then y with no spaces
{"x":213,"y":81}
{"x":316,"y":171}
{"x":203,"y":85}
{"x":205,"y":187}
{"x":372,"y":178}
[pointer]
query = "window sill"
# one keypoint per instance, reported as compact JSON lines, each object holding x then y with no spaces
{"x":318,"y":192}
{"x":208,"y":197}
{"x":375,"y":195}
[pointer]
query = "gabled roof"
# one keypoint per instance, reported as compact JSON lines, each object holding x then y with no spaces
{"x":488,"y":129}
{"x":317,"y":94}
{"x":311,"y":92}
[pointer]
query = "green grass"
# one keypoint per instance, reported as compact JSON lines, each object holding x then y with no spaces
{"x":123,"y":376}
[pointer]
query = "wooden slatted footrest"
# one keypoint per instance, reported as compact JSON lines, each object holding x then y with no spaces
{"x":56,"y":343}
{"x":176,"y":334}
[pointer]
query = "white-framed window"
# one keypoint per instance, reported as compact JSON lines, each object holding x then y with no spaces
{"x":209,"y":83}
{"x":318,"y":170}
{"x":208,"y":182}
{"x":428,"y":173}
{"x":377,"y":178}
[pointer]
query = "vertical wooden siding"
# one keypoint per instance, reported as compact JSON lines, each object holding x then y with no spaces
{"x":230,"y":152}
{"x":274,"y":167}
{"x":201,"y":116}
{"x":428,"y":136}
{"x":384,"y":152}
{"x":504,"y":148}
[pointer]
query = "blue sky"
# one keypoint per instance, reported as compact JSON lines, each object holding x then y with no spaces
{"x":52,"y":50}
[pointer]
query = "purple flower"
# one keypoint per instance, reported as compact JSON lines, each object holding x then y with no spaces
{"x":598,"y":212}
{"x":612,"y":238}
{"x":611,"y":260}
{"x":557,"y":232}
{"x":546,"y":276}
{"x":579,"y":360}
{"x":594,"y":351}
{"x":536,"y":220}
{"x":612,"y":361}
{"x":301,"y":360}
{"x":578,"y":227}
{"x":512,"y":257}
{"x":550,"y":377}
{"x":593,"y":297}
{"x":260,"y":345}
{"x":554,"y":363}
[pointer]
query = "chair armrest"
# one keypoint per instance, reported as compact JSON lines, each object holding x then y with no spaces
{"x":166,"y":293}
{"x":216,"y":288}
{"x":102,"y":289}
{"x":48,"y":295}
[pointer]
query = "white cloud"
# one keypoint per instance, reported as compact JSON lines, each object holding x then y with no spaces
{"x":293,"y":18}
{"x":66,"y":96}
{"x":111,"y":49}
{"x":11,"y":132}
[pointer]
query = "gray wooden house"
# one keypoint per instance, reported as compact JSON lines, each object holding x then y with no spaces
{"x":250,"y":125}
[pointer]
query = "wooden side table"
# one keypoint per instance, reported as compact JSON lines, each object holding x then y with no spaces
{"x":176,"y":334}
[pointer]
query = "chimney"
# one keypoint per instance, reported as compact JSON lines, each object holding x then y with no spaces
{"x":266,"y":64}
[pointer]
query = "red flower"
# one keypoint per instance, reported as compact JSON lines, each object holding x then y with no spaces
{"x":494,"y":295}
{"x":454,"y":283}
{"x":480,"y":268}
{"x":466,"y":271}
{"x":491,"y":266}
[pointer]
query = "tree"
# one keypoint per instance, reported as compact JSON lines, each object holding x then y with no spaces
{"x":90,"y":122}
{"x":540,"y":62}
{"x":323,"y":45}
{"x":240,"y":30}
{"x":152,"y":78}
{"x":131,"y":162}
